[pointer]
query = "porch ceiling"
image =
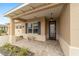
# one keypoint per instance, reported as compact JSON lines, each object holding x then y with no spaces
{"x":38,"y":11}
{"x":46,"y":12}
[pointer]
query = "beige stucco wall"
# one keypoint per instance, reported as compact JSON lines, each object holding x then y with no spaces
{"x":64,"y":33}
{"x":69,"y":30}
{"x":65,"y":24}
{"x":74,"y":12}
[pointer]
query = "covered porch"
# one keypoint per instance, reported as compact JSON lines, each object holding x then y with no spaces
{"x":40,"y":22}
{"x":39,"y":25}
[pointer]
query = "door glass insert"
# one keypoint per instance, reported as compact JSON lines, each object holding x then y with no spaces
{"x":52,"y":30}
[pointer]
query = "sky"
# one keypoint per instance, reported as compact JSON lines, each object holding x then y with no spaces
{"x":4,"y":8}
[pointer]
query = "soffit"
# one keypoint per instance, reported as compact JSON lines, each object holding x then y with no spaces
{"x":32,"y":6}
{"x":56,"y":11}
{"x":26,"y":8}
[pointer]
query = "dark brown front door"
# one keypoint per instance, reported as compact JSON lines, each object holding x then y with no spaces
{"x":52,"y":30}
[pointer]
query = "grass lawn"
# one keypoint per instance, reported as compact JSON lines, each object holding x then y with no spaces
{"x":11,"y":50}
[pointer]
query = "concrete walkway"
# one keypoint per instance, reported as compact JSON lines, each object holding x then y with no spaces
{"x":4,"y":39}
{"x":48,"y":48}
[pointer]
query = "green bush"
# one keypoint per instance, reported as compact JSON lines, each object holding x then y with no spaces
{"x":15,"y":50}
{"x":2,"y":31}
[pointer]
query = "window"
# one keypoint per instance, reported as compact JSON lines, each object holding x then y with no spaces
{"x":34,"y":27}
{"x":16,"y":27}
{"x":26,"y":27}
{"x":29,"y":28}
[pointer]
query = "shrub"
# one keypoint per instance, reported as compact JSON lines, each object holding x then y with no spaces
{"x":2,"y":31}
{"x":15,"y":50}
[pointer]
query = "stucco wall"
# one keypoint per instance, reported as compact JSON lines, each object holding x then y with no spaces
{"x":65,"y":24}
{"x":69,"y":29}
{"x":64,"y":35}
{"x":74,"y":12}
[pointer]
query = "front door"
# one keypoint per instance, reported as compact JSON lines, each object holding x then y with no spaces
{"x":52,"y":30}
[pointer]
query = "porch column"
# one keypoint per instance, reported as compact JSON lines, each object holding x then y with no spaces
{"x":12,"y":31}
{"x":43,"y":28}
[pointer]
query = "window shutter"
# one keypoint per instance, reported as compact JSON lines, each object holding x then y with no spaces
{"x":26,"y":27}
{"x":39,"y":28}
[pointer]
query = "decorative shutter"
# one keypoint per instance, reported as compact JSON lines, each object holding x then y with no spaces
{"x":39,"y":24}
{"x":26,"y":27}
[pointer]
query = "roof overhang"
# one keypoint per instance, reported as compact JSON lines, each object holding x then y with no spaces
{"x":27,"y":11}
{"x":13,"y":10}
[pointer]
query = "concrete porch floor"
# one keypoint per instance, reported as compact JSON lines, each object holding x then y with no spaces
{"x":47,"y":48}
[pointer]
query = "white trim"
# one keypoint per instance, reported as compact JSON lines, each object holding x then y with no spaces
{"x":16,"y":8}
{"x":74,"y":51}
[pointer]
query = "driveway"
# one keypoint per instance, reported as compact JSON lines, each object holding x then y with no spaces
{"x":4,"y":39}
{"x":48,"y":48}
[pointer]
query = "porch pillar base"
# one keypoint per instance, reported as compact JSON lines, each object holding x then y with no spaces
{"x":12,"y":39}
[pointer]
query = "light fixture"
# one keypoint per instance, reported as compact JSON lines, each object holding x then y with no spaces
{"x":51,"y":18}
